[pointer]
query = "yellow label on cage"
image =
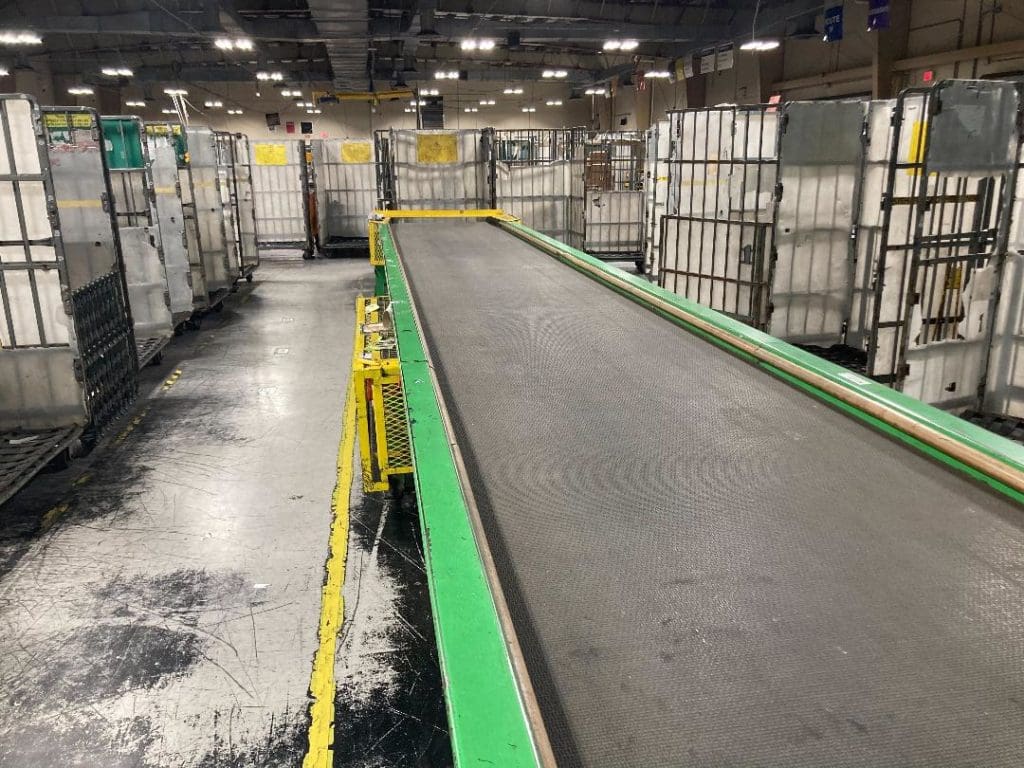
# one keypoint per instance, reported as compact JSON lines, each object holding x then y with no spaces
{"x":915,"y":152}
{"x":60,"y":120}
{"x":355,"y":152}
{"x":437,"y":149}
{"x":270,"y":154}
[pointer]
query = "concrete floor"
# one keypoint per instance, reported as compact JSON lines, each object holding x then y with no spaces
{"x":159,"y":600}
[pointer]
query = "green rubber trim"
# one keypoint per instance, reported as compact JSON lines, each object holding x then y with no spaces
{"x":487,"y":721}
{"x":946,"y":424}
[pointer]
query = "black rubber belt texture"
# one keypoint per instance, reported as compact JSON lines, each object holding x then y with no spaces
{"x":705,"y":566}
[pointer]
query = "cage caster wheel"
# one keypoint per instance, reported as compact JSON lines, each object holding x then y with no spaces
{"x":640,"y":267}
{"x":307,"y":255}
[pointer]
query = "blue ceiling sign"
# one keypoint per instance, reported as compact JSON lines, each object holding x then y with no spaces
{"x":878,"y":14}
{"x":834,"y":24}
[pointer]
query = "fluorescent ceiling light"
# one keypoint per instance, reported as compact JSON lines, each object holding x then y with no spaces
{"x":553,"y":102}
{"x":558,"y":73}
{"x":275,"y":76}
{"x":117,"y":72}
{"x":234,"y":111}
{"x":487,"y":102}
{"x":429,"y":92}
{"x":759,"y":46}
{"x":620,"y":45}
{"x":314,"y":111}
{"x":529,"y":109}
{"x":447,"y":75}
{"x":213,"y":104}
{"x":471,"y":109}
{"x":80,"y":91}
{"x":135,"y":103}
{"x":657,"y":74}
{"x":595,"y":92}
{"x":514,"y":91}
{"x":19,"y":38}
{"x":175,"y":91}
{"x":239,"y":44}
{"x":169,"y":111}
{"x":4,"y":72}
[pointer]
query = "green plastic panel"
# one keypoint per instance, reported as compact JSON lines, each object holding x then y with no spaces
{"x":122,"y":138}
{"x":486,"y":716}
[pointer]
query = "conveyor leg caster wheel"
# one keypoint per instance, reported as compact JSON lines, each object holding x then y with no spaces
{"x":640,"y":267}
{"x":248,"y":278}
{"x":307,"y":255}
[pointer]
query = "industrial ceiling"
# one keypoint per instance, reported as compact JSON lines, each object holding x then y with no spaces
{"x":375,"y":45}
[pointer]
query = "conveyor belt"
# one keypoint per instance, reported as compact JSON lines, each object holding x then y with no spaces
{"x":705,"y":566}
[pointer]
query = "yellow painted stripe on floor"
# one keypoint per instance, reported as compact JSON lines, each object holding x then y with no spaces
{"x":332,"y":605}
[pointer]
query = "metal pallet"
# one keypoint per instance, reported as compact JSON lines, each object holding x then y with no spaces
{"x":24,"y":454}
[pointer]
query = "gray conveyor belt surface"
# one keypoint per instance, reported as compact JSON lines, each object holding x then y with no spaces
{"x":705,"y":566}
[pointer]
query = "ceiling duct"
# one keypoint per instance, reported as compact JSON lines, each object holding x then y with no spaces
{"x":345,"y":27}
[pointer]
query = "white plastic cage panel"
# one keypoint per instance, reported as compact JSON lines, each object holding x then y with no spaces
{"x":955,"y":155}
{"x":144,"y":272}
{"x":433,"y":169}
{"x":279,"y":180}
{"x":533,"y":176}
{"x":38,"y":387}
{"x":346,"y":187}
{"x":170,"y":219}
{"x":722,"y":175}
{"x":211,"y":211}
{"x":659,"y":152}
{"x":820,"y":159}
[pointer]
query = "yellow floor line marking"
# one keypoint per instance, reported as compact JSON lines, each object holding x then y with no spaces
{"x":81,"y":479}
{"x":53,"y":514}
{"x":332,"y":605}
{"x":172,"y":379}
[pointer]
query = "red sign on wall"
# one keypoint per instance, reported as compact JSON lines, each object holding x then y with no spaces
{"x":289,"y":127}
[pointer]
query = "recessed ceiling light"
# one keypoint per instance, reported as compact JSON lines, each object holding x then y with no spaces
{"x":20,"y":38}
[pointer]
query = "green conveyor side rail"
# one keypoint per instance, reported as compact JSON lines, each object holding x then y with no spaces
{"x":1003,"y":451}
{"x":486,"y":716}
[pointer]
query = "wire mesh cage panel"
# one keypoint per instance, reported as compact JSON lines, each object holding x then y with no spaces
{"x":132,"y":185}
{"x":234,"y":174}
{"x":821,"y":152}
{"x":533,"y":175}
{"x":435,"y":169}
{"x":722,"y":174}
{"x":280,"y":179}
{"x":211,"y":211}
{"x":346,"y":186}
{"x":613,"y":176}
{"x":170,"y":220}
{"x":244,"y":201}
{"x":67,"y":353}
{"x":946,"y":215}
{"x":656,"y":186}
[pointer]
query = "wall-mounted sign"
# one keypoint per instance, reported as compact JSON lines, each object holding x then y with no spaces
{"x":878,"y":14}
{"x":707,"y":61}
{"x":834,"y":24}
{"x":289,"y":127}
{"x":724,"y":58}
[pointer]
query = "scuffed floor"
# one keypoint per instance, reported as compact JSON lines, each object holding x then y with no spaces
{"x":159,"y":600}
